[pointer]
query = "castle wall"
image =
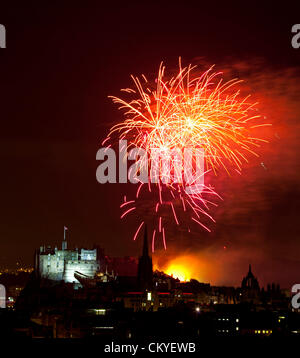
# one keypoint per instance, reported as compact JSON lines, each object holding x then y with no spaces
{"x":86,"y":267}
{"x":51,"y":267}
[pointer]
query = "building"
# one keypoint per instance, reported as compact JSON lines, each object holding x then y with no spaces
{"x":250,"y":290}
{"x":145,"y":268}
{"x":61,"y":265}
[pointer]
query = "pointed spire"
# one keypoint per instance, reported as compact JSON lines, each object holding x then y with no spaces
{"x":250,"y":268}
{"x":145,"y":246}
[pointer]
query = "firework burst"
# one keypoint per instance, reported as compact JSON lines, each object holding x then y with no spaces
{"x":193,"y":112}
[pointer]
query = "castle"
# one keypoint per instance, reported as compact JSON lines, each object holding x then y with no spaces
{"x":61,"y":265}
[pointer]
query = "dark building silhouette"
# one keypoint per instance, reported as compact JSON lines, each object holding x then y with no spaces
{"x":250,"y":287}
{"x":250,"y":281}
{"x":145,"y":269}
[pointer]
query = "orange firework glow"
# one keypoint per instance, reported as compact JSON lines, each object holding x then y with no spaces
{"x":178,"y":271}
{"x":185,"y":268}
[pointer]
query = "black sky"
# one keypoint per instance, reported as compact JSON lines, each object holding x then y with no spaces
{"x":62,"y":61}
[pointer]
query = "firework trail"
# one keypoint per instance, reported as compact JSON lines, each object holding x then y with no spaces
{"x":186,"y":111}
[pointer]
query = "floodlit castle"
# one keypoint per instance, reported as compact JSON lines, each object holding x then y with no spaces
{"x":60,"y":265}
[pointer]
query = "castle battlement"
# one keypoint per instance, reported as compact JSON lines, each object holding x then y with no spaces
{"x":60,"y":265}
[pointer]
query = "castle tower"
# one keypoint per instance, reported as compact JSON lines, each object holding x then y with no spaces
{"x":145,"y":270}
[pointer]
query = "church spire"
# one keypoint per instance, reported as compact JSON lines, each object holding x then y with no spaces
{"x":145,"y":245}
{"x":145,"y":270}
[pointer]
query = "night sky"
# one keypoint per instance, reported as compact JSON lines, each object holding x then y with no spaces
{"x":61,"y":63}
